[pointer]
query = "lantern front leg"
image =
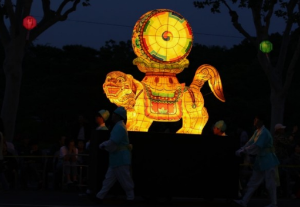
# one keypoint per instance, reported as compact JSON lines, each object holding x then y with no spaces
{"x":141,"y":123}
{"x":131,"y":117}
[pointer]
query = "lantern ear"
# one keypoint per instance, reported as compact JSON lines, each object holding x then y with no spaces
{"x":134,"y":84}
{"x":130,"y":80}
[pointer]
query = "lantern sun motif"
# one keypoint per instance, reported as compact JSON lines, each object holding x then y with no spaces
{"x":162,"y":39}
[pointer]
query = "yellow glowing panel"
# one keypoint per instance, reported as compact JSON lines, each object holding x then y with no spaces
{"x":182,"y":33}
{"x":172,"y":22}
{"x":155,"y":47}
{"x":163,"y":18}
{"x":151,"y":40}
{"x":172,"y":54}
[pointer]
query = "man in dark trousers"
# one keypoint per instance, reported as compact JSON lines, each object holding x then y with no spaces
{"x":92,"y":147}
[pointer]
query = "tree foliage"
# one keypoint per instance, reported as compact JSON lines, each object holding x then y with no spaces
{"x":15,"y":39}
{"x":280,"y":67}
{"x":58,"y":85}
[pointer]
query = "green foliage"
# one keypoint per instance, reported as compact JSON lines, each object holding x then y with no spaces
{"x":280,"y":5}
{"x":86,"y":3}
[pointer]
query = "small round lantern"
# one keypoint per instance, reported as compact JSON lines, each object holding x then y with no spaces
{"x":29,"y":22}
{"x":266,"y":46}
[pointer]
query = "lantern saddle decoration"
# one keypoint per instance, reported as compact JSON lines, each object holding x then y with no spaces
{"x":162,"y":39}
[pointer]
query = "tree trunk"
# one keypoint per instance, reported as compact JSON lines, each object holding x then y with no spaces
{"x":277,"y":108}
{"x":12,"y":67}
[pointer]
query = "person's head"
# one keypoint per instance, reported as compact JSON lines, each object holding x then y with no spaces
{"x":34,"y":145}
{"x":119,"y":114}
{"x":81,"y":119}
{"x":279,"y":128}
{"x":2,"y":126}
{"x":4,"y":148}
{"x":219,"y":127}
{"x":297,"y":148}
{"x":259,"y":120}
{"x":102,"y":116}
{"x":26,"y":141}
{"x":62,"y":140}
{"x":70,"y":143}
{"x":80,"y":144}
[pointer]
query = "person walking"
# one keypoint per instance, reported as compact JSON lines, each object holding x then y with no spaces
{"x":100,"y":118}
{"x":3,"y":181}
{"x":119,"y":149}
{"x":265,"y":165}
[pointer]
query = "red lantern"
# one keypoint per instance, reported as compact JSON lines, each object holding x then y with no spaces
{"x":29,"y":22}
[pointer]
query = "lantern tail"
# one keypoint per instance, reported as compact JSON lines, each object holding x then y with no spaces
{"x":209,"y":73}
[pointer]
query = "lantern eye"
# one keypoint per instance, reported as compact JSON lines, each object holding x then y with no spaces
{"x":121,"y":79}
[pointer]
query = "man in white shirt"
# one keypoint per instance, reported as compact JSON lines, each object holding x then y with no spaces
{"x":265,"y":165}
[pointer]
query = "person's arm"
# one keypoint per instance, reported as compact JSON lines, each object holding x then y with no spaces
{"x":64,"y":153}
{"x":87,"y":145}
{"x":242,"y":150}
{"x":252,"y":149}
{"x":73,"y":154}
{"x":109,"y":146}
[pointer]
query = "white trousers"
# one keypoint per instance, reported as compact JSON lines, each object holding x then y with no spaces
{"x":123,"y":176}
{"x":256,"y":179}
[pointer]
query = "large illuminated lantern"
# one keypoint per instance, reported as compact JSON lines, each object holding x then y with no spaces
{"x":162,"y":39}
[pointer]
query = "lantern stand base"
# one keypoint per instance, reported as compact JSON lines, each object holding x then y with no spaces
{"x":27,"y":36}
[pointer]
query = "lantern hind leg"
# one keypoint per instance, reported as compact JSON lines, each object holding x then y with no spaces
{"x":194,"y":122}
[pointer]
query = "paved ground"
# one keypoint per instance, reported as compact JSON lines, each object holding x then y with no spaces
{"x":48,"y":198}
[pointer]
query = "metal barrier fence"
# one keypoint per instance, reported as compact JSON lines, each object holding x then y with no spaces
{"x":86,"y":166}
{"x":44,"y":171}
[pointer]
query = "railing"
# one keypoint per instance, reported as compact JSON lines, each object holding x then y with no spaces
{"x":82,"y":166}
{"x":20,"y":159}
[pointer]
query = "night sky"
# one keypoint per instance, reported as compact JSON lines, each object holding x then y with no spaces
{"x":104,"y":20}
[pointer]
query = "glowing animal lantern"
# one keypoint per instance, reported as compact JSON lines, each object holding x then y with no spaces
{"x":162,"y":39}
{"x":266,"y":46}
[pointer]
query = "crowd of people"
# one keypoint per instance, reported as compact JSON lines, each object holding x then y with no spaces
{"x":26,"y":162}
{"x":25,"y":165}
{"x":262,"y":153}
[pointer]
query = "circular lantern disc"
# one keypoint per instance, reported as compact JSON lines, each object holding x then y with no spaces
{"x":266,"y":46}
{"x":29,"y":22}
{"x":164,"y":36}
